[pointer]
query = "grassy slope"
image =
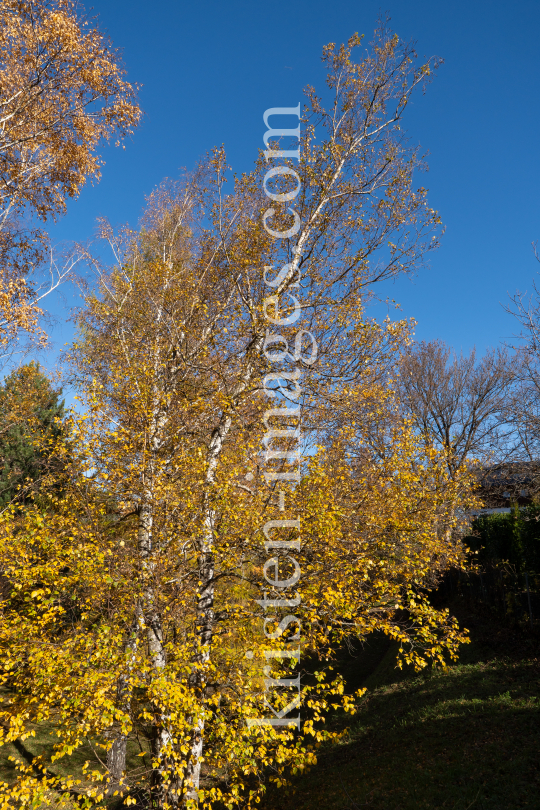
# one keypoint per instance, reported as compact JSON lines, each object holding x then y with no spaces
{"x":42,"y":744}
{"x":465,"y":738}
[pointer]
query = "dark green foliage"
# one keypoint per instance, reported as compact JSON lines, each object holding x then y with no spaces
{"x":31,"y":422}
{"x":514,"y":538}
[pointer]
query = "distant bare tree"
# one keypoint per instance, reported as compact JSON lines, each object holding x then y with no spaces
{"x":461,"y":402}
{"x":526,"y":413}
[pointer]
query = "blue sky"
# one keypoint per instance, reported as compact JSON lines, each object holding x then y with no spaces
{"x":209,"y":70}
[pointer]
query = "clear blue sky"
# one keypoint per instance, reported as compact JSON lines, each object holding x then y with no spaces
{"x":210,"y":69}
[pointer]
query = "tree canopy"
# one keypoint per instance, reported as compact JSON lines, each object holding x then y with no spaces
{"x":62,"y":94}
{"x":143,"y":606}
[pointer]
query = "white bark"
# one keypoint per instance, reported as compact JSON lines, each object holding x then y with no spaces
{"x":116,"y":756}
{"x":205,"y":602}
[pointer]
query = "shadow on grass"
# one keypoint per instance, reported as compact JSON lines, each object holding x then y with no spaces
{"x":467,"y":737}
{"x":28,"y":751}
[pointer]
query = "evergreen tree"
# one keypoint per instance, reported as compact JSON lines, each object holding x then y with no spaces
{"x":31,"y":420}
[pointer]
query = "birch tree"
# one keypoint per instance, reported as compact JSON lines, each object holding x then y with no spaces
{"x":62,"y":94}
{"x":175,"y":364}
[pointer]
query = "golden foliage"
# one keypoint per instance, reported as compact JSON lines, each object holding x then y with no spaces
{"x":133,"y":603}
{"x":61,"y":91}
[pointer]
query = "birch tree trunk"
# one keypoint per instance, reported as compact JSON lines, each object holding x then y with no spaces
{"x":205,"y":608}
{"x":205,"y":601}
{"x":116,"y":756}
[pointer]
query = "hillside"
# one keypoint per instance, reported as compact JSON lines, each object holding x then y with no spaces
{"x":465,"y":738}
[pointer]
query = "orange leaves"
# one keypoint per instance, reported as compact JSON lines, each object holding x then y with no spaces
{"x":17,"y":311}
{"x":62,"y":92}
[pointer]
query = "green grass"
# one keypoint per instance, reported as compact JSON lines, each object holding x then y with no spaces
{"x":467,"y":737}
{"x":42,"y":745}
